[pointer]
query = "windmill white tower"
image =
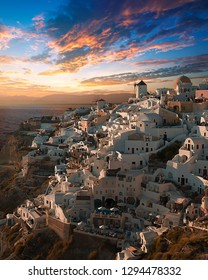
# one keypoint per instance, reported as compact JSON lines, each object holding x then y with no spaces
{"x":140,"y":89}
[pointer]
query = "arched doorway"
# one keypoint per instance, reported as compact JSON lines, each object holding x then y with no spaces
{"x":109,"y":202}
{"x":97,"y":203}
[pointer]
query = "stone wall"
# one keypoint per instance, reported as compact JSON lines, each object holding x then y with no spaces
{"x":61,"y":228}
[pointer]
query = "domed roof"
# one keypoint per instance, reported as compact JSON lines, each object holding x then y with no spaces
{"x":183,"y":80}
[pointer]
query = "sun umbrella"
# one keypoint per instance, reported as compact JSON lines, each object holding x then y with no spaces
{"x":101,"y":208}
{"x":114,"y":209}
{"x":102,"y":227}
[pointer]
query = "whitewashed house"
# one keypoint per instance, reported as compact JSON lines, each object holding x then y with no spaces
{"x":190,"y":165}
{"x":39,"y":140}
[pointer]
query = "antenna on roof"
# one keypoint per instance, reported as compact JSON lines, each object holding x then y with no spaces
{"x":96,"y":99}
{"x":135,"y":84}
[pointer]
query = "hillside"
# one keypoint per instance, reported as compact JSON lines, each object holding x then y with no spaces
{"x":180,"y":244}
{"x":65,"y":98}
{"x":46,"y":245}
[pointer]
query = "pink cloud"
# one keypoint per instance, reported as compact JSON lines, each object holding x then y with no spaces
{"x":6,"y":35}
{"x":38,"y":22}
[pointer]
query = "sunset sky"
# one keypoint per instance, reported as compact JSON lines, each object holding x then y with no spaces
{"x":68,"y":46}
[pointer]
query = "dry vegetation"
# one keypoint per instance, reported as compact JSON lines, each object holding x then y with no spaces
{"x":46,"y":245}
{"x":180,"y":244}
{"x":166,"y":154}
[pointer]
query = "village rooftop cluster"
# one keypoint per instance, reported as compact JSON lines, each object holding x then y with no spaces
{"x":110,"y":180}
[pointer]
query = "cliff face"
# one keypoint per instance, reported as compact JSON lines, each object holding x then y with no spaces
{"x":46,"y":245}
{"x":15,"y":147}
{"x":14,"y":188}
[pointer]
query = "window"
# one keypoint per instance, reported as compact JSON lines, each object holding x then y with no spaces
{"x":146,"y":144}
{"x":199,"y":171}
{"x":178,"y":179}
{"x":133,"y":162}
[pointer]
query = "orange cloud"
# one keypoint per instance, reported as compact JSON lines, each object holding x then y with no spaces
{"x":51,"y":72}
{"x":6,"y":59}
{"x":99,"y":82}
{"x":127,"y":22}
{"x":154,"y":6}
{"x":3,"y":79}
{"x":79,"y":37}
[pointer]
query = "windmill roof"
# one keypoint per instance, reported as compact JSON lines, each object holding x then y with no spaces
{"x":142,"y":83}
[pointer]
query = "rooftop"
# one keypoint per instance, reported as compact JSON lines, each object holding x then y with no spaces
{"x":141,"y":83}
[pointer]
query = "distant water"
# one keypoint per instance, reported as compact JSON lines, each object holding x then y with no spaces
{"x":11,"y":117}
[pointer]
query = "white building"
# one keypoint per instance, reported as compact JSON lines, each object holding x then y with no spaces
{"x":184,"y":88}
{"x":189,"y":166}
{"x":39,"y":140}
{"x":118,"y":186}
{"x":138,"y":143}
